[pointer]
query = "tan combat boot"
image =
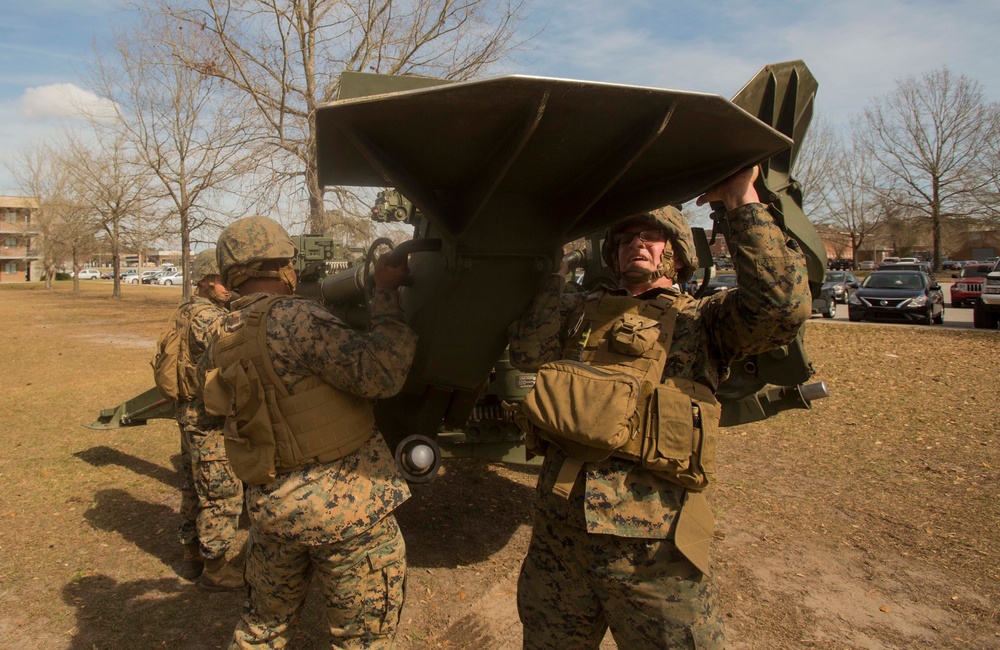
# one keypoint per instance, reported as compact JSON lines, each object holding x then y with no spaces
{"x":192,"y":563}
{"x":220,"y":575}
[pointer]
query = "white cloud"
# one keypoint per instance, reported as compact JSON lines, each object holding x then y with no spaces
{"x":64,"y":100}
{"x":856,"y":49}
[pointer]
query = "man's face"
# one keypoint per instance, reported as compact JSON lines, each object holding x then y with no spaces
{"x":213,"y":283}
{"x":639,"y":249}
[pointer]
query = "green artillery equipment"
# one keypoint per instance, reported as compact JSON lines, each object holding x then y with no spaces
{"x":498,"y":175}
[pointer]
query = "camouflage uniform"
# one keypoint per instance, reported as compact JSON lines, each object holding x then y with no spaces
{"x":211,"y":495}
{"x":334,"y":519}
{"x":605,"y":556}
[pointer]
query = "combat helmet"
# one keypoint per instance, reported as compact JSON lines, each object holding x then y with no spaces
{"x":205,"y":264}
{"x":246,"y":243}
{"x":674,"y":224}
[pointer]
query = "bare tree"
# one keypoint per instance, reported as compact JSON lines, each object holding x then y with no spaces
{"x":816,"y":169}
{"x":286,"y":57}
{"x":186,"y":126}
{"x":989,"y":197}
{"x":927,"y":137}
{"x":854,"y":205}
{"x":115,"y":187}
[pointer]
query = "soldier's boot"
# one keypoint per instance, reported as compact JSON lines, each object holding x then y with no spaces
{"x":192,"y":563}
{"x":220,"y":575}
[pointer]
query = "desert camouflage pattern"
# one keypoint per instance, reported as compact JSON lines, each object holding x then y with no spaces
{"x":325,"y":514}
{"x":211,"y":494}
{"x":205,"y":264}
{"x":615,"y":498}
{"x":573,"y":584}
{"x":673,"y":222}
{"x":246,"y":243}
{"x":361,"y":582}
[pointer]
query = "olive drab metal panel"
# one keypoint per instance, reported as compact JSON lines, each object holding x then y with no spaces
{"x":504,"y":172}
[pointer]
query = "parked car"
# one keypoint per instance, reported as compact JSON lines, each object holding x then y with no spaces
{"x":170,"y":277}
{"x":839,"y":284}
{"x":986,"y":311}
{"x":88,"y":274}
{"x":107,"y":275}
{"x":969,"y":284}
{"x":723,"y":263}
{"x":923,"y":267}
{"x":896,"y":295}
{"x":825,"y":304}
{"x":130,"y":277}
{"x":720,"y":283}
{"x":149,"y":277}
{"x":867,"y":266}
{"x":966,"y":263}
{"x":950,"y":265}
{"x":840,"y":264}
{"x":888,"y":261}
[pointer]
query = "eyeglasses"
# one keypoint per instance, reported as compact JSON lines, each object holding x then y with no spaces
{"x":646,"y":236}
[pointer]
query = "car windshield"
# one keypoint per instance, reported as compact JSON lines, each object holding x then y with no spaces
{"x":836,"y":277}
{"x":906,"y":281}
{"x":975,"y":271}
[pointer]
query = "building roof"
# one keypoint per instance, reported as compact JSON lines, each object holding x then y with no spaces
{"x":18,"y":202}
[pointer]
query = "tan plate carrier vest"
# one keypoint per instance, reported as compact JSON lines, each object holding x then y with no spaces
{"x":269,"y":431}
{"x":612,"y":403}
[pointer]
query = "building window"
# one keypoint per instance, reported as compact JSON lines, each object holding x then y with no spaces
{"x":10,"y":267}
{"x":10,"y":241}
{"x":10,"y":216}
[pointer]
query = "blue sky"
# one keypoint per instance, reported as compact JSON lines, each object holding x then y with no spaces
{"x":855,"y":48}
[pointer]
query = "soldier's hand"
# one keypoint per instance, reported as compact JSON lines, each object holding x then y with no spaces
{"x":390,"y":277}
{"x":735,"y":191}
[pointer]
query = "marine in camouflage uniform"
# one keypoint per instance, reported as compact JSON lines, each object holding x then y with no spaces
{"x":332,"y":519}
{"x":606,"y":555}
{"x":211,"y":494}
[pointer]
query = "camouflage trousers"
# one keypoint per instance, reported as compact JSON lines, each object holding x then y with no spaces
{"x":211,"y":494}
{"x":361,"y":579}
{"x":574,"y":585}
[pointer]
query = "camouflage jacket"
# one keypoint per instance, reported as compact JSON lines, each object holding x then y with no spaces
{"x":323,"y":503}
{"x":201,"y":328}
{"x":772,"y":300}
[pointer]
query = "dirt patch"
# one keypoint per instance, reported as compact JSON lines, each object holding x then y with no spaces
{"x":867,"y":522}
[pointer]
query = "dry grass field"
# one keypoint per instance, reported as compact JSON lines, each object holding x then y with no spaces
{"x":869,"y":522}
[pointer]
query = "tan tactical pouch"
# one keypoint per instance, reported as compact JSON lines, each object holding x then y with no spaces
{"x":680,"y":434}
{"x":174,"y":371}
{"x":588,"y":412}
{"x":238,"y":394}
{"x":267,"y":430}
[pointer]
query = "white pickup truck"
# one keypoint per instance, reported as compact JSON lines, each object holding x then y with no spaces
{"x":986,"y":312}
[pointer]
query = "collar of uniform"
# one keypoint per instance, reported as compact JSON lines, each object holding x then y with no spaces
{"x":245,"y":301}
{"x":647,"y":295}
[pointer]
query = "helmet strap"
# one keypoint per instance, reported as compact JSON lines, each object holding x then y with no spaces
{"x":241,"y":273}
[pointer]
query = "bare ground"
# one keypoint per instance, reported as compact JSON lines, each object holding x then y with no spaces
{"x":868,"y":522}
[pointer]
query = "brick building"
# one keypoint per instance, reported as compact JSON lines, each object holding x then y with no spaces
{"x":19,"y":261}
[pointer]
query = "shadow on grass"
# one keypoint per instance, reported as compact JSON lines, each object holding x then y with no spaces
{"x":149,"y":526}
{"x":104,"y":455}
{"x":464,"y":516}
{"x":153,"y":613}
